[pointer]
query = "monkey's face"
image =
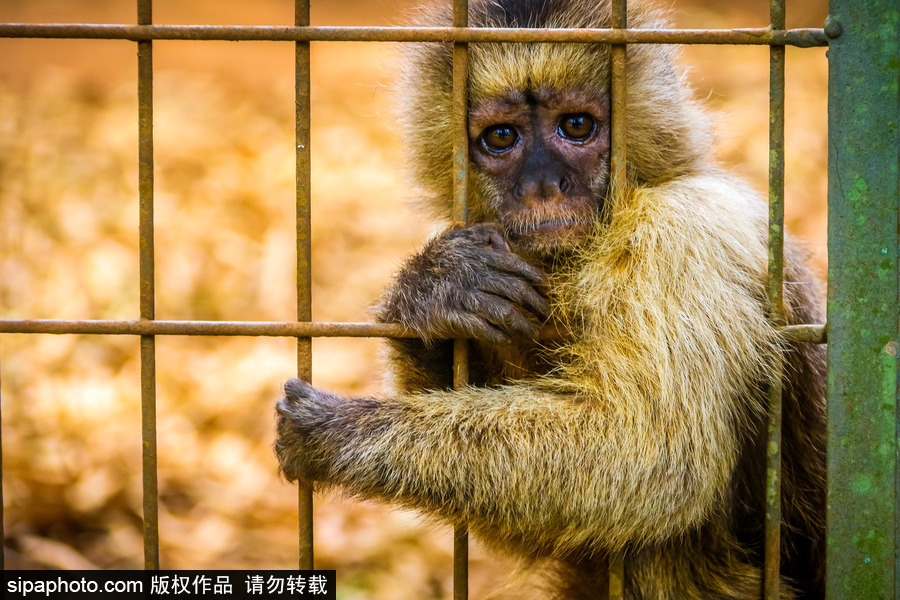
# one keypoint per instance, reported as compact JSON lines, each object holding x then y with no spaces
{"x":544,"y":157}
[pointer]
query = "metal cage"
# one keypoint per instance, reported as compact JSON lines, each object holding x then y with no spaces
{"x":864,"y":271}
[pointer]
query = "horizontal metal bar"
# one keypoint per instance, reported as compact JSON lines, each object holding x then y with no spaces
{"x":814,"y":334}
{"x":803,"y":38}
{"x":211,"y":328}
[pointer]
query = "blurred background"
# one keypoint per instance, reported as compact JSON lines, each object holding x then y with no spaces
{"x":224,"y":135}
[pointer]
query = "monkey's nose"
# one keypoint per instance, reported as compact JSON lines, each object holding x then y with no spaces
{"x":542,"y":188}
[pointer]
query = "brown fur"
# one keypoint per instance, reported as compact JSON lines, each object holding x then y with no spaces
{"x":643,"y":431}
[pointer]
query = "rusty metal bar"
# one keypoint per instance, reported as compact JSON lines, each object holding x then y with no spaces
{"x":863,"y":536}
{"x":802,"y":38}
{"x":619,"y":181}
{"x":2,"y":529}
{"x":460,"y":207}
{"x":811,"y":334}
{"x":460,"y":562}
{"x":619,"y":93}
{"x":460,"y":364}
{"x":799,"y":333}
{"x":460,"y":530}
{"x":772,"y":544}
{"x":147,"y":291}
{"x":460,"y":120}
{"x":208,"y":328}
{"x":616,"y":569}
{"x":304,"y":257}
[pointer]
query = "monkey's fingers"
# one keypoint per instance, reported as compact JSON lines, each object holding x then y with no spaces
{"x":303,"y":399}
{"x":519,"y":292}
{"x":496,"y":240}
{"x":510,"y":263}
{"x":297,"y":389}
{"x":503,"y":315}
{"x":471,"y":325}
{"x":283,"y":407}
{"x":296,"y":394}
{"x":482,"y":234}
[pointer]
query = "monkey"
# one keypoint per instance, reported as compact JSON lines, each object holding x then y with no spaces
{"x":641,"y":429}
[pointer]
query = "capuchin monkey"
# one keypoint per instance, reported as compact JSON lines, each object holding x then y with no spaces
{"x":642,"y":428}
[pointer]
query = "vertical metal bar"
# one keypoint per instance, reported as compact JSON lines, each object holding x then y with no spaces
{"x":619,"y":93}
{"x":617,"y":576}
{"x":863,"y":298}
{"x":2,"y":529}
{"x":460,"y":114}
{"x":619,"y":179}
{"x":304,"y":255}
{"x":460,"y":531}
{"x":460,"y":216}
{"x":147,"y":291}
{"x":772,"y":568}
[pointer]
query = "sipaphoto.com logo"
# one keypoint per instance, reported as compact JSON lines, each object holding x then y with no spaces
{"x":65,"y":585}
{"x":170,"y":585}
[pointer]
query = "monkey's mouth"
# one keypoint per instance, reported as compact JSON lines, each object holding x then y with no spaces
{"x":551,"y":228}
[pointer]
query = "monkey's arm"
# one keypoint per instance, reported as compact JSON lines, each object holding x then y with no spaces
{"x":545,"y":466}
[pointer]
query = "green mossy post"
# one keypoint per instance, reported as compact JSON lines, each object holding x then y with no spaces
{"x":863,"y":308}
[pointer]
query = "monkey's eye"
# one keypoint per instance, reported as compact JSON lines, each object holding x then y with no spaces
{"x":499,"y":138}
{"x":576,"y":127}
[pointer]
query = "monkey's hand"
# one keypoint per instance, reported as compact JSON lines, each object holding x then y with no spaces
{"x":467,"y":283}
{"x":302,"y":418}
